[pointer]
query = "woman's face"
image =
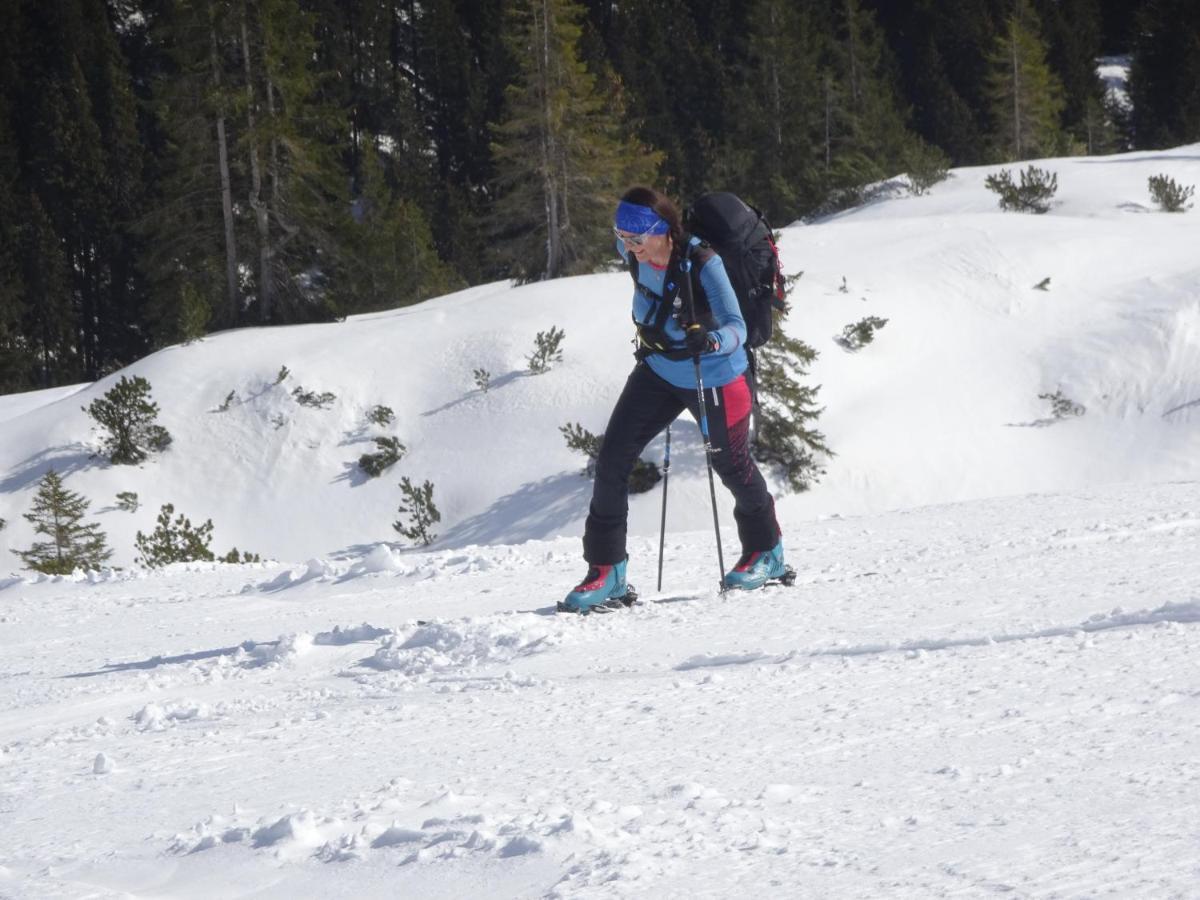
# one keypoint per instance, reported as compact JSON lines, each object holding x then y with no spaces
{"x":655,"y":248}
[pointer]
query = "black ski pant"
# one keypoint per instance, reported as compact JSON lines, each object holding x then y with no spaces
{"x":647,"y":405}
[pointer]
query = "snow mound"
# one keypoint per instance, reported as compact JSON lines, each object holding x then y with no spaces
{"x":381,"y":559}
{"x":286,"y":649}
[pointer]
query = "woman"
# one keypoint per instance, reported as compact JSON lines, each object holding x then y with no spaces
{"x":649,"y":230}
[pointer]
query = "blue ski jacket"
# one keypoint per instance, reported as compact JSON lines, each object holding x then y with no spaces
{"x":722,"y":365}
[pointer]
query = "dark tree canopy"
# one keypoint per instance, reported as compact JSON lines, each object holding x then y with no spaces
{"x":174,"y":167}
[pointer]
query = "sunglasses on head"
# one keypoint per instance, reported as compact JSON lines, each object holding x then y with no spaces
{"x":635,"y":239}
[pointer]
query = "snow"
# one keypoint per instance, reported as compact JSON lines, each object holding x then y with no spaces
{"x":985,"y":679}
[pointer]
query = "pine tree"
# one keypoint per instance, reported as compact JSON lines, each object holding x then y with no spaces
{"x":460,"y":71}
{"x":781,"y":113}
{"x":787,"y":410}
{"x":865,"y":134}
{"x":56,"y":513}
{"x":81,"y":156}
{"x":561,"y":152}
{"x":1164,"y":79}
{"x":1072,"y":29}
{"x":1026,"y":96}
{"x":295,"y":194}
{"x":192,"y":227}
{"x":394,"y":262}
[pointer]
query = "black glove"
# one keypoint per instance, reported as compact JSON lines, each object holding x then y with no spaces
{"x":698,"y":340}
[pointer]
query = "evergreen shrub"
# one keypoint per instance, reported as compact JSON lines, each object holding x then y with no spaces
{"x":860,"y":333}
{"x":1033,"y":194}
{"x":313,"y":399}
{"x":390,"y":451}
{"x":128,"y":415}
{"x":127,"y":501}
{"x":1061,"y":406}
{"x":381,"y":416}
{"x":1169,"y":195}
{"x":180,"y":541}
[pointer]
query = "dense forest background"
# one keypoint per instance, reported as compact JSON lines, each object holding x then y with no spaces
{"x":170,"y":168}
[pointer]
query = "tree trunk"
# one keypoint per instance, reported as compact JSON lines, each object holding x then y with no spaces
{"x":1016,"y":89}
{"x":261,"y":213}
{"x":231,"y":291}
{"x":549,"y":154}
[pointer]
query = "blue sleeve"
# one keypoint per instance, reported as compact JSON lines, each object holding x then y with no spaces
{"x":731,"y":333}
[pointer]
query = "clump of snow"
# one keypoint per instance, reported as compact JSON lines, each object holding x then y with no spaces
{"x":102,"y":764}
{"x":440,"y":647}
{"x":315,"y":569}
{"x":160,"y":717}
{"x":351,"y":635}
{"x":381,"y":559}
{"x":286,"y":649}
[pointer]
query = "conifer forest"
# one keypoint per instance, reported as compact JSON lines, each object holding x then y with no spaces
{"x":170,"y":168}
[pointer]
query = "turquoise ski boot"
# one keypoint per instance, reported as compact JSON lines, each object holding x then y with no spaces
{"x":758,"y":567}
{"x":602,"y":590}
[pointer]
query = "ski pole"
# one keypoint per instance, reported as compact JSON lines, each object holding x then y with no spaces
{"x":662,"y":531}
{"x":685,"y":268}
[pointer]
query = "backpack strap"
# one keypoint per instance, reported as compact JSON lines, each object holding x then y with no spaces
{"x":652,"y":336}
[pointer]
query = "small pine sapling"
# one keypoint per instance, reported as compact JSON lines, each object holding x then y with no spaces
{"x":927,"y":166}
{"x":1033,"y":194}
{"x":313,"y":399}
{"x":284,"y":372}
{"x":1043,"y":285}
{"x":547,"y":349}
{"x":381,"y":416}
{"x":859,"y":334}
{"x":1061,"y":406}
{"x":57,"y":514}
{"x":845,"y":288}
{"x":1169,"y":195}
{"x":483,"y":379}
{"x":227,"y":402}
{"x":128,"y":416}
{"x":418,"y":505}
{"x":390,"y":451}
{"x":127,"y":501}
{"x":194,"y":313}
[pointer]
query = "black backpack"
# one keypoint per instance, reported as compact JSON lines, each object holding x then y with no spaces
{"x":737,"y":232}
{"x":742,"y":238}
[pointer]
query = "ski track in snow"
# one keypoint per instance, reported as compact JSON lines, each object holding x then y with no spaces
{"x":950,"y":702}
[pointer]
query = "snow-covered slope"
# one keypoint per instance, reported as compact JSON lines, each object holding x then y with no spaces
{"x":960,"y":697}
{"x":943,"y":406}
{"x":992,"y":697}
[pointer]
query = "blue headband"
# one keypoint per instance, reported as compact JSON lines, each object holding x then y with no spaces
{"x":640,"y":219}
